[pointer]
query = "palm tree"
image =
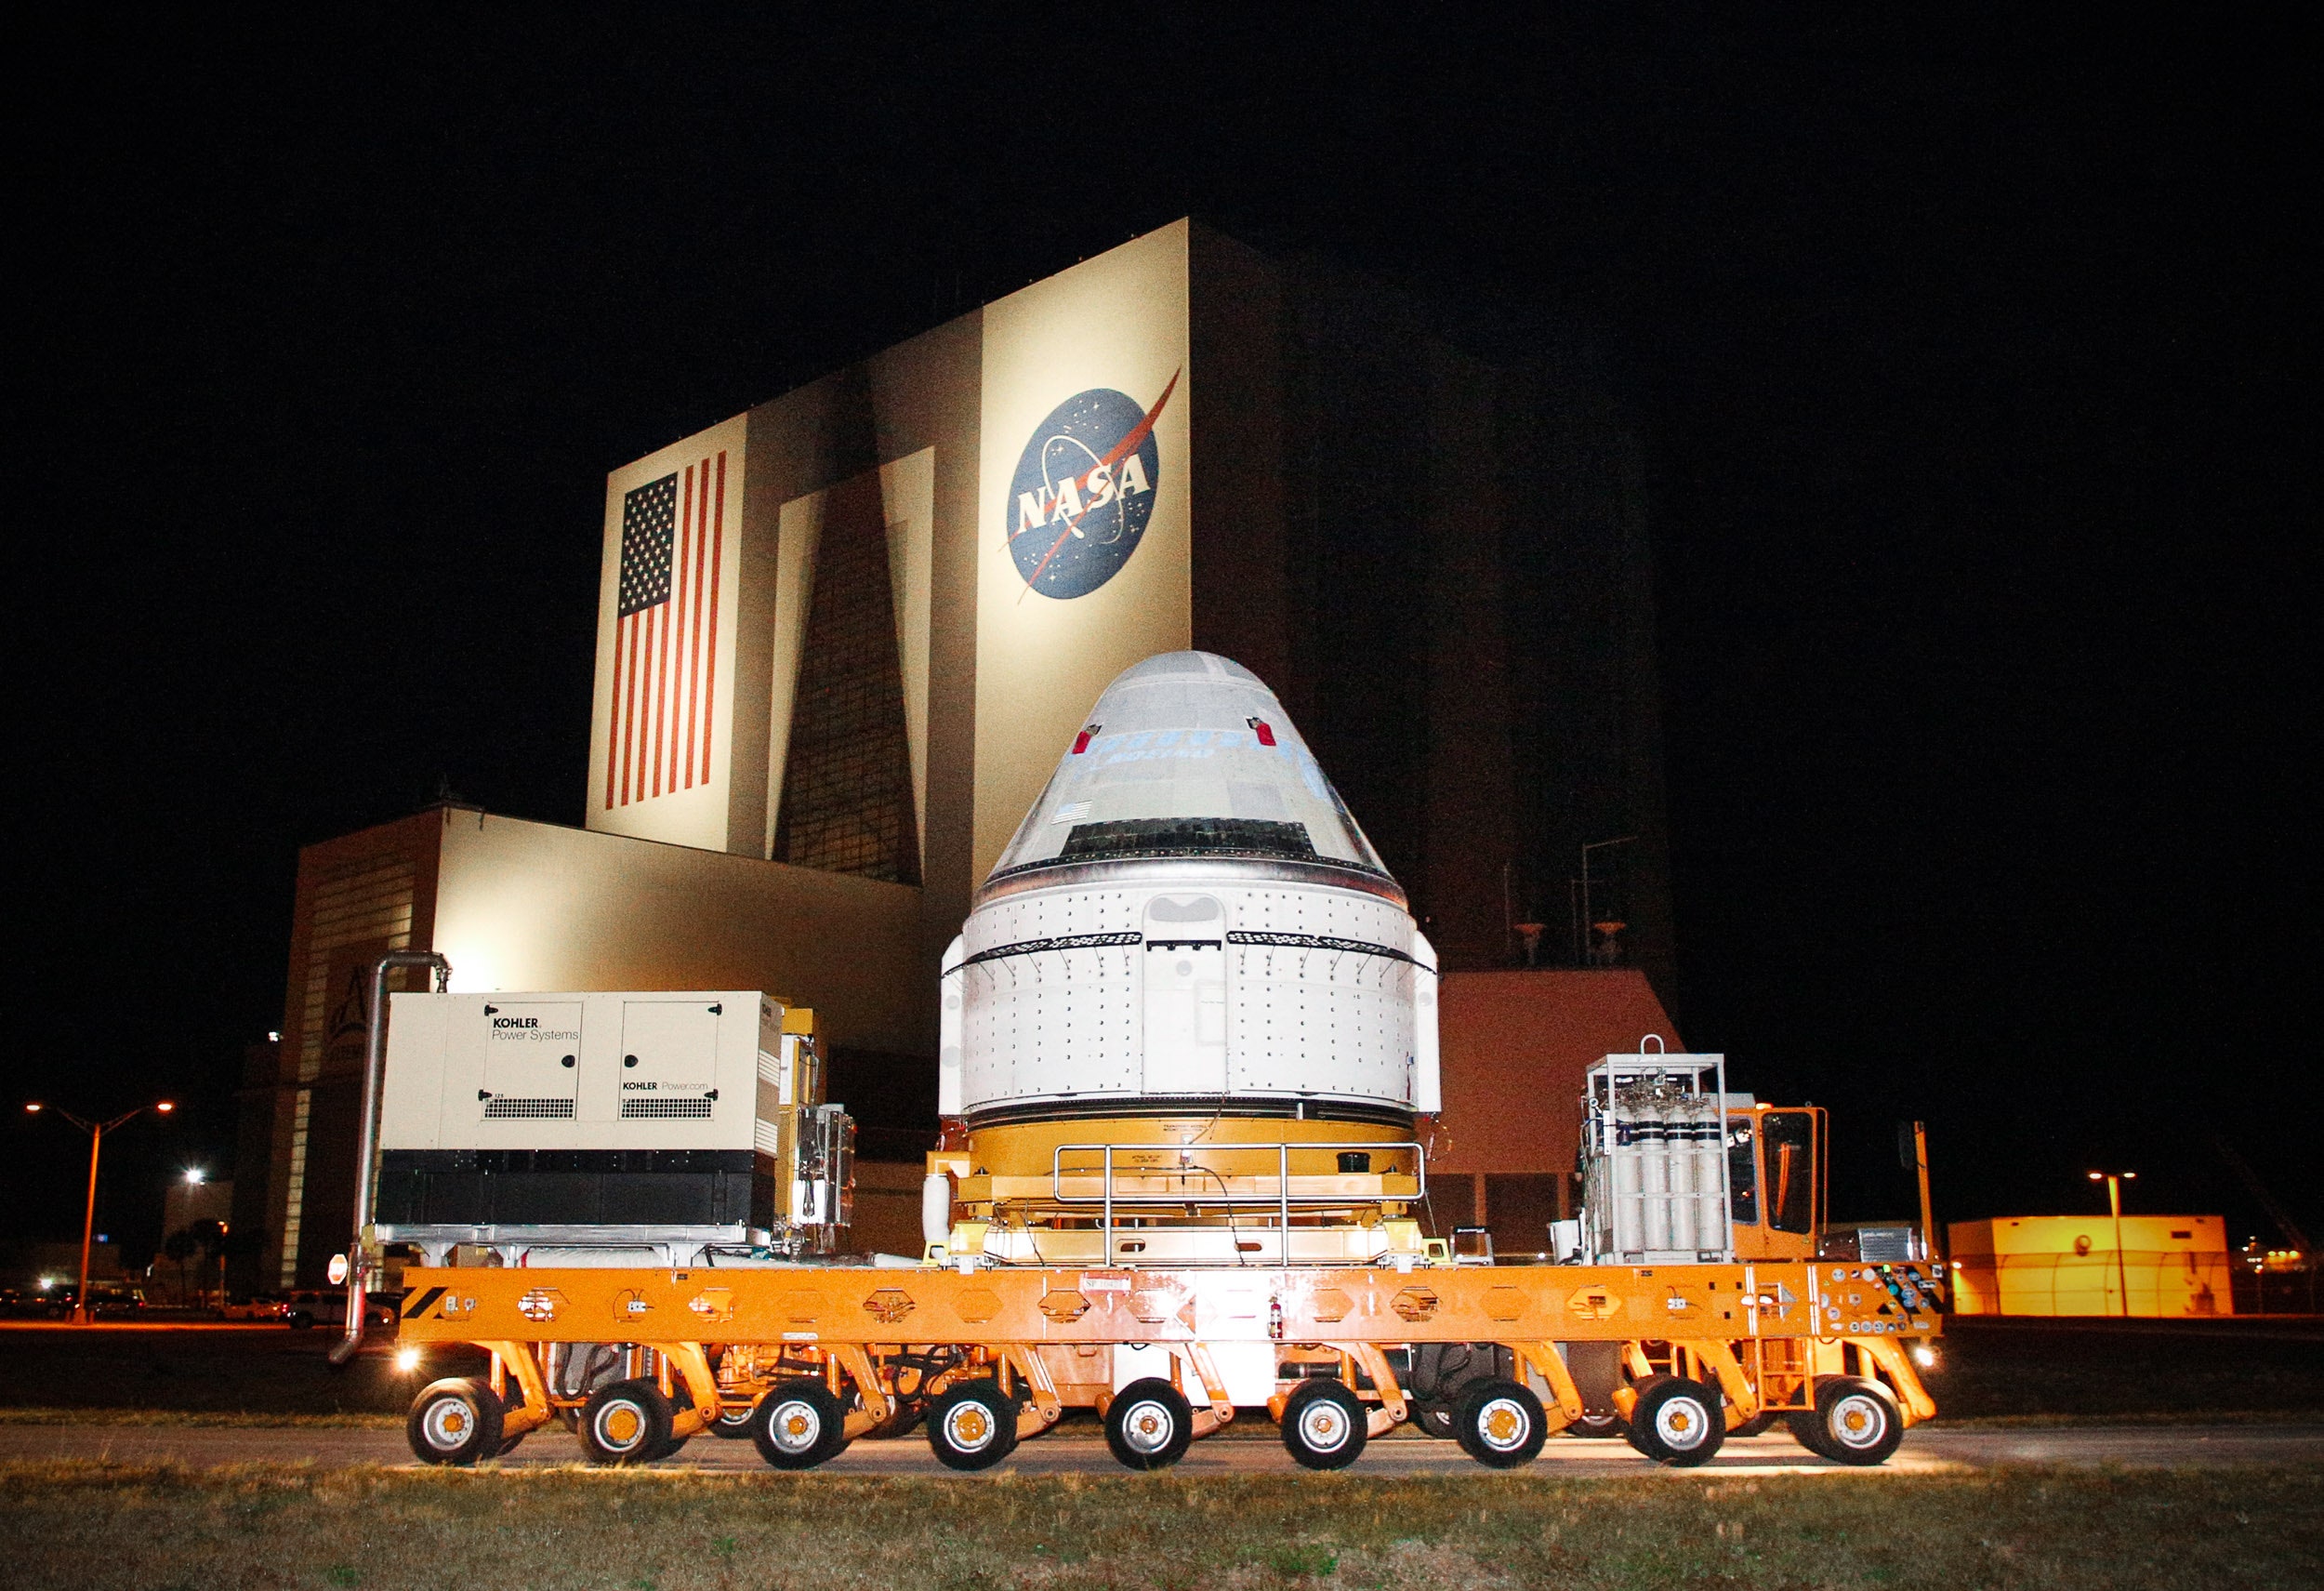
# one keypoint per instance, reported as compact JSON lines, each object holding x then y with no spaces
{"x":181,"y":1246}
{"x":211,"y":1236}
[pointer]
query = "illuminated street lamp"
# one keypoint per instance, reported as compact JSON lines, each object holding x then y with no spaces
{"x":95,"y":1131}
{"x":2114,"y":1181}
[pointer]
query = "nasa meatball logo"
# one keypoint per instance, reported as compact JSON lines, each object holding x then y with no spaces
{"x":1084,"y":491}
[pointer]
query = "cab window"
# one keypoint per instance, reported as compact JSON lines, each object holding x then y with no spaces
{"x":1742,"y":1172}
{"x":1790,"y":1139}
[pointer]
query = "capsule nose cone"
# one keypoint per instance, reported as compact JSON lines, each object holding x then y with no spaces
{"x":1187,"y":754}
{"x":1187,"y":667}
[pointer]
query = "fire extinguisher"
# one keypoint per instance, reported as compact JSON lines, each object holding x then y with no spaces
{"x":1275,"y":1319}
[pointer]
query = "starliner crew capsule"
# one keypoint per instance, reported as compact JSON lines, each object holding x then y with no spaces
{"x":1187,"y":980}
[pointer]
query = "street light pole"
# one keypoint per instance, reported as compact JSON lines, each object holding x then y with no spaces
{"x":2114,"y":1181}
{"x":82,"y":1313}
{"x":1593,"y":845}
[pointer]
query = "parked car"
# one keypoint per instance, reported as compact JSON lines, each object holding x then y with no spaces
{"x":258,"y":1307}
{"x":328,"y":1307}
{"x":108,"y":1300}
{"x":25,"y":1303}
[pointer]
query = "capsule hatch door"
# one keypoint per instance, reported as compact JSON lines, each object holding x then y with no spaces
{"x":1185,"y":995}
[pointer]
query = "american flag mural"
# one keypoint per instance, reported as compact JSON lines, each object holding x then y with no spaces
{"x":666,"y":634}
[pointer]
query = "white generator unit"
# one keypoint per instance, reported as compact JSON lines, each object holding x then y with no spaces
{"x":1653,"y":1160}
{"x":564,"y":1129}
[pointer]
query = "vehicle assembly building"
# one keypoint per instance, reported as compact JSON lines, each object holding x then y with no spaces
{"x":844,"y":636}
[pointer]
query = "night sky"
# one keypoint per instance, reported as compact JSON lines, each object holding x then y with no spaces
{"x":1975,"y":385}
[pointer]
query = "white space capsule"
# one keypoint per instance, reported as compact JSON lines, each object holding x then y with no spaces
{"x":1189,"y":925}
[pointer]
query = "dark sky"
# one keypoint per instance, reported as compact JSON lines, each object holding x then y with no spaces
{"x":1975,"y":378}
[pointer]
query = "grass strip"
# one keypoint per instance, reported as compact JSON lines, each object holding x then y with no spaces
{"x":161,"y":1527}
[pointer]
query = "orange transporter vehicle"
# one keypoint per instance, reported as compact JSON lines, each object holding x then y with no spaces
{"x":805,"y":1355}
{"x":1187,"y":1050}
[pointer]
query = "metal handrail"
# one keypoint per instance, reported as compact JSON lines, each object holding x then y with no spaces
{"x":1225,"y":1196}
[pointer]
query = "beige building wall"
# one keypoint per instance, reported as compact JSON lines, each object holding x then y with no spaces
{"x":534,"y":906}
{"x":1118,"y":322}
{"x":662,"y":755}
{"x":516,"y":904}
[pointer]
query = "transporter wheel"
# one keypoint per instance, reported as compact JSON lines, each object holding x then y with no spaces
{"x":1501,"y":1423}
{"x":624,"y":1422}
{"x":1807,"y":1430}
{"x":799,"y":1424}
{"x":671,"y":1445}
{"x":972,"y":1427}
{"x":1149,"y":1423}
{"x":1758,"y":1424}
{"x":1855,"y":1422}
{"x":454,"y":1422}
{"x":1324,"y":1426}
{"x":1678,"y":1422}
{"x":1597,"y":1426}
{"x":1436,"y":1419}
{"x":735,"y":1420}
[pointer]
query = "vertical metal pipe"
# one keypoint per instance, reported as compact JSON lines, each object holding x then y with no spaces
{"x":2121,"y":1261}
{"x":1282,"y":1194}
{"x":367,"y":1132}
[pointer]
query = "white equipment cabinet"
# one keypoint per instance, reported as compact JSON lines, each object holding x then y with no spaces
{"x":555,"y":1127}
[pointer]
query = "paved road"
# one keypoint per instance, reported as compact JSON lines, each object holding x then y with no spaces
{"x":1081,"y":1452}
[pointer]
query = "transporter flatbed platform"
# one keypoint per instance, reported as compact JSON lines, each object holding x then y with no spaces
{"x":803,"y":1358}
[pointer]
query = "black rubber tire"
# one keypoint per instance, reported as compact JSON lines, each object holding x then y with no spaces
{"x":1807,"y":1430}
{"x":1149,"y":1425}
{"x":972,"y":1427}
{"x":1627,"y":1429}
{"x":671,"y":1445}
{"x":1858,"y":1421}
{"x":799,"y":1424}
{"x":1324,"y":1425}
{"x":624,"y":1422}
{"x":299,"y":1320}
{"x":1678,"y":1422}
{"x":1597,"y":1427}
{"x":455,"y":1421}
{"x":734,"y":1421}
{"x":1757,"y":1425}
{"x":1436,"y":1419}
{"x":1501,"y":1423}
